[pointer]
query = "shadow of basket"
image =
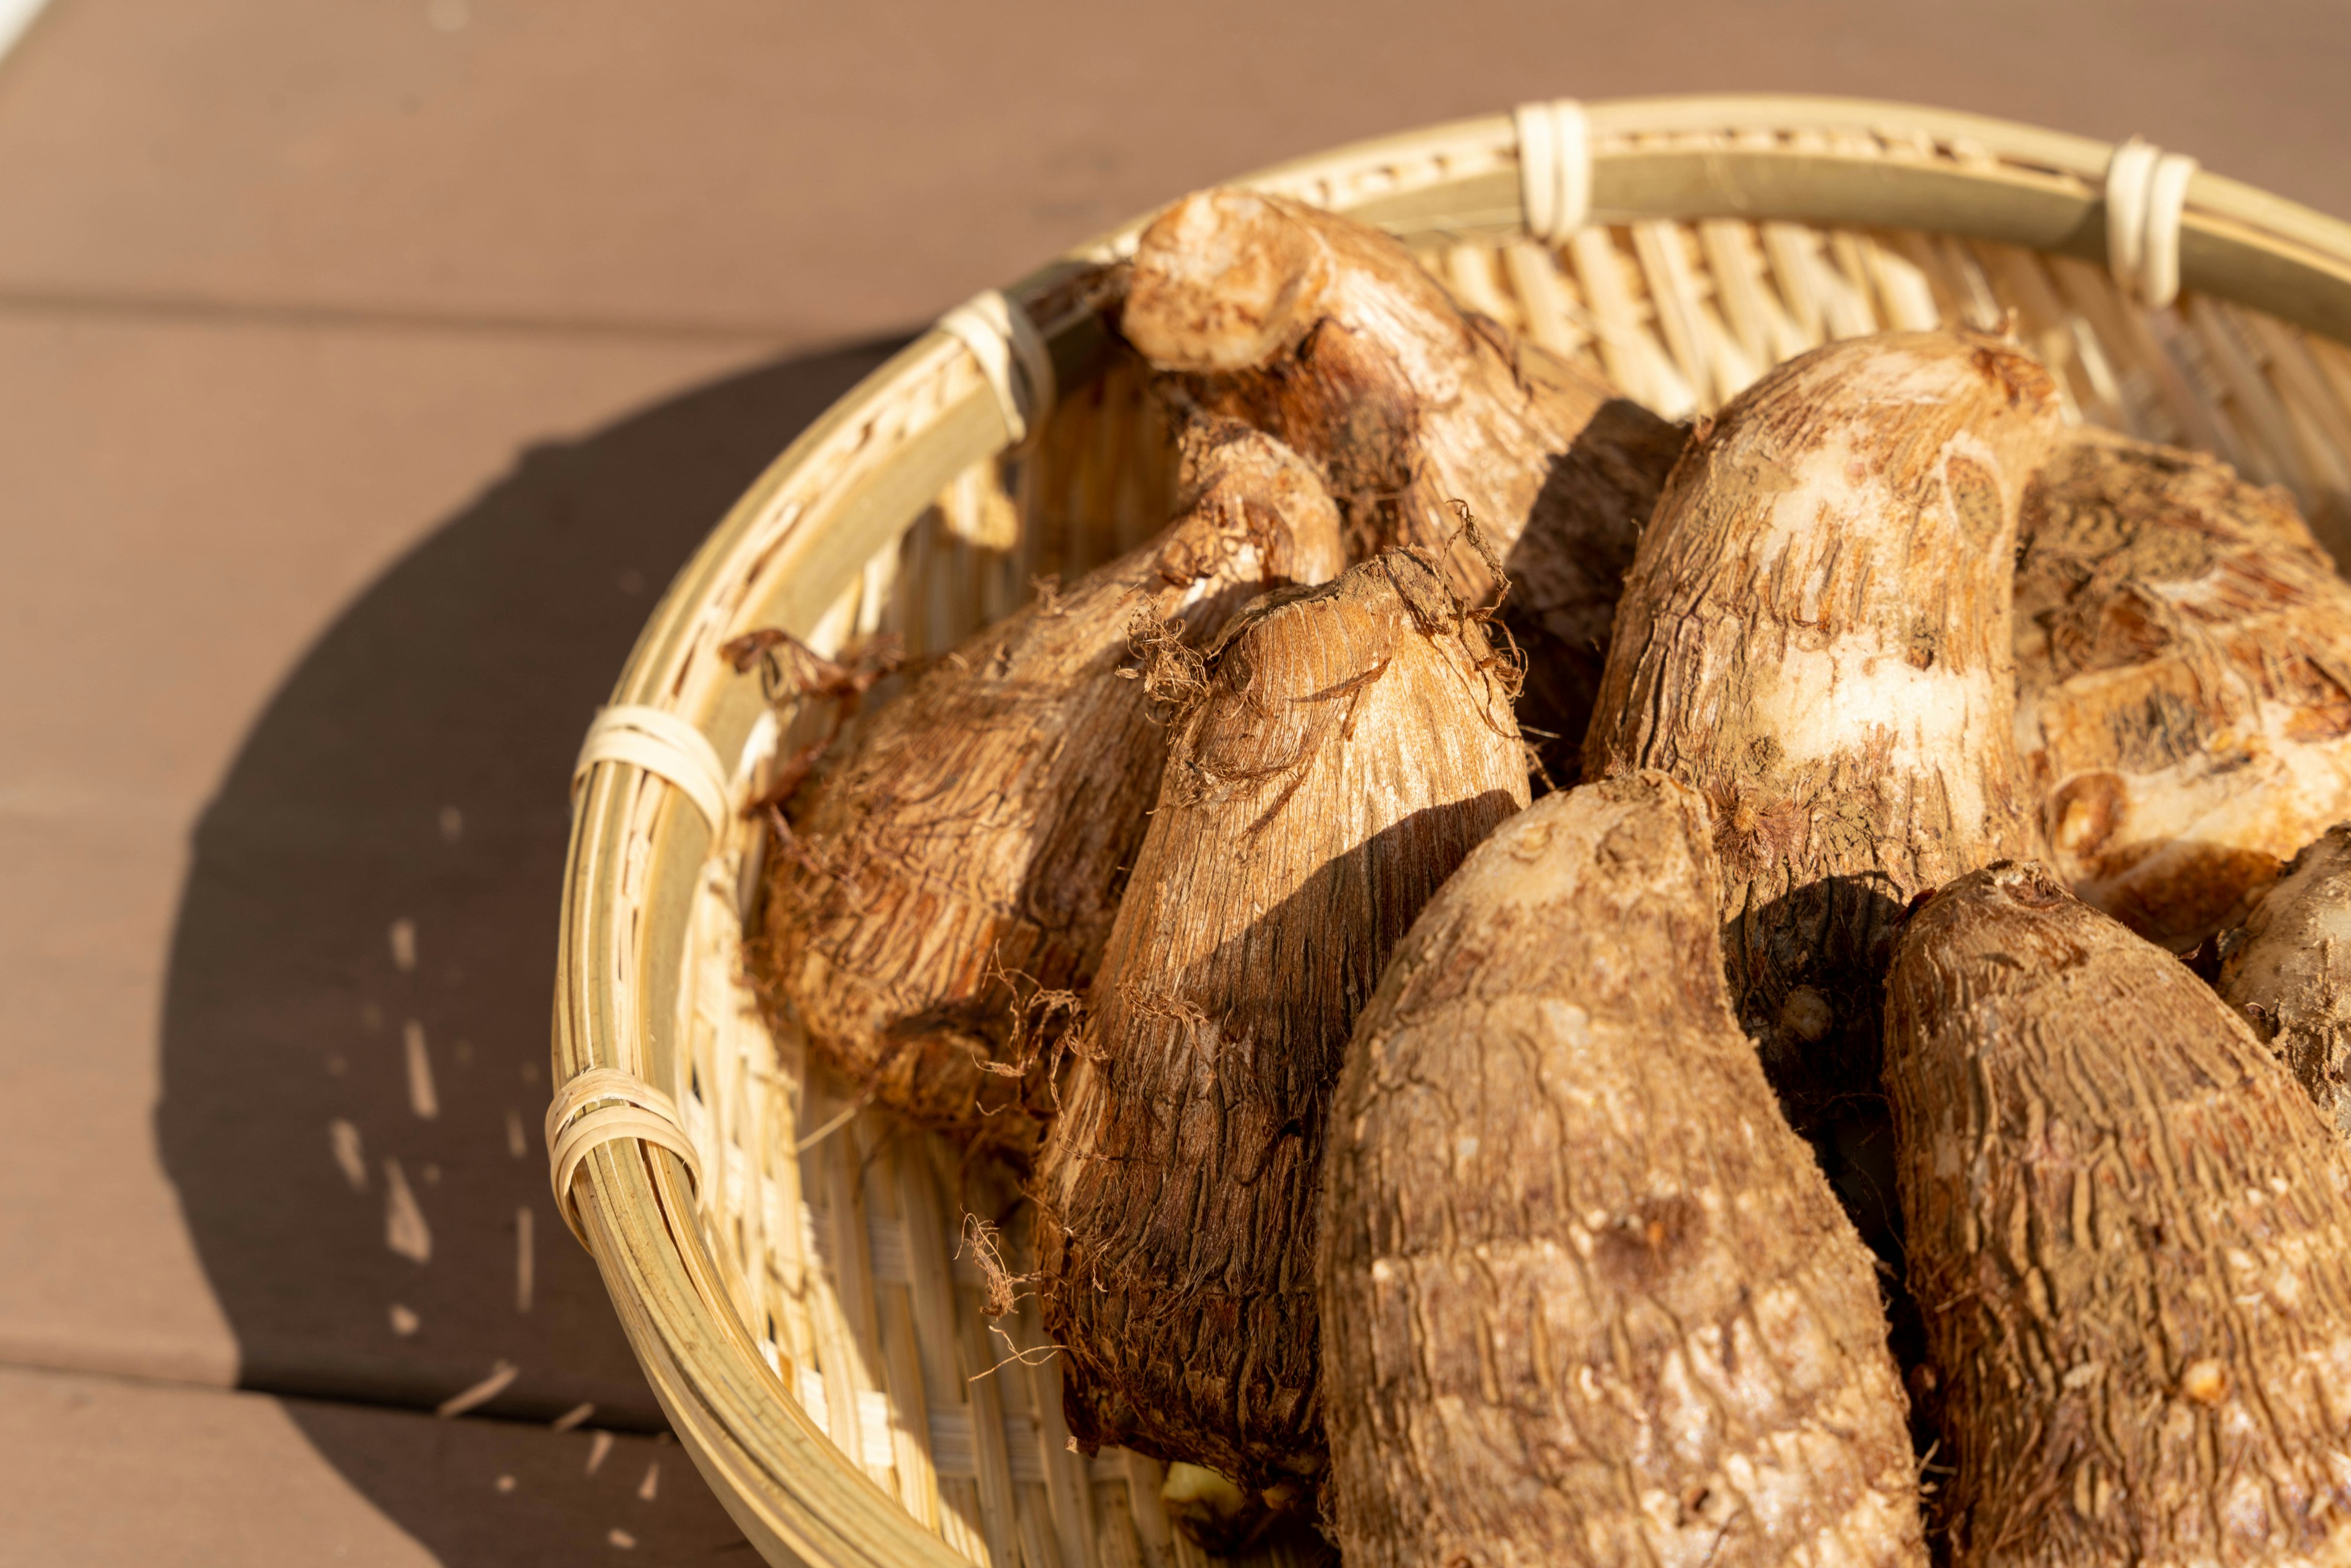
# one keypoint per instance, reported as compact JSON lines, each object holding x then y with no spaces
{"x":355,"y":1026}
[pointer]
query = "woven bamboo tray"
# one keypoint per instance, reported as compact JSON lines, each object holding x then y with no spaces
{"x":798,"y":1293}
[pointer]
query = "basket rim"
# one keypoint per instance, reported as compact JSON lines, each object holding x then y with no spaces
{"x":874,"y":460}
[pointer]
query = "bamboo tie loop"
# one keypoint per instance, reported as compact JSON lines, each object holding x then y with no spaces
{"x":1554,"y":167}
{"x":2147,"y":192}
{"x":1011,"y":354}
{"x":598,"y":1106}
{"x":664,"y":745}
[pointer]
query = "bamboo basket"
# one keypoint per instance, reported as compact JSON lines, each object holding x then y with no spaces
{"x":786,"y":1263}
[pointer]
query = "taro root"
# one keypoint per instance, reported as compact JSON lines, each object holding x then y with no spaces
{"x":1327,"y":333}
{"x":2288,"y":971}
{"x":1349,"y":744}
{"x":1585,"y":1297}
{"x":968,"y":856}
{"x":2184,"y":683}
{"x":1815,"y":637}
{"x":2130,"y":1232}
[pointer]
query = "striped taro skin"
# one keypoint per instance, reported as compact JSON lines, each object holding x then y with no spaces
{"x":1350,"y":744}
{"x":1586,"y":1296}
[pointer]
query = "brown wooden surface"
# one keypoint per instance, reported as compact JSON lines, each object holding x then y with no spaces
{"x":361,"y":381}
{"x":105,"y":1470}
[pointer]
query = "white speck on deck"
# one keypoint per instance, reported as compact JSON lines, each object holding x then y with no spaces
{"x":421,"y":1096}
{"x":405,"y":1230}
{"x":502,"y":1373}
{"x":522,"y":1259}
{"x":345,"y":1138}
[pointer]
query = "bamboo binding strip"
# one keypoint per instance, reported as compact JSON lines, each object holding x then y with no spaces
{"x":663,"y":744}
{"x":1005,"y":344}
{"x":2147,"y":195}
{"x":598,"y":1106}
{"x":1555,"y":166}
{"x":804,"y":1304}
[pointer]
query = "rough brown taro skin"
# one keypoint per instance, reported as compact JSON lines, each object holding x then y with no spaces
{"x":1353,"y":744}
{"x":1815,"y":637}
{"x":1328,"y":333}
{"x":2128,"y":1230}
{"x":2183,"y":650}
{"x":985,"y":821}
{"x":2287,"y":971}
{"x":1586,"y":1299}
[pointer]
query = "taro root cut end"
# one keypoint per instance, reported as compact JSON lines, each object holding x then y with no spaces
{"x":1329,"y":333}
{"x":2128,"y":1231}
{"x":1223,"y":280}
